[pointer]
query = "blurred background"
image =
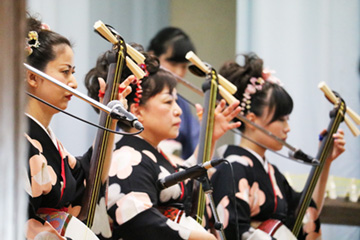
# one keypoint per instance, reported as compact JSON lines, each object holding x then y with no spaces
{"x":305,"y":42}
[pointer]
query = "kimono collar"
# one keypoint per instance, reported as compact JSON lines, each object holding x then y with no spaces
{"x":264,"y":162}
{"x":48,"y":130}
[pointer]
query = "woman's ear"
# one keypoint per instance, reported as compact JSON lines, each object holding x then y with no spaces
{"x":251,"y":117}
{"x":32,"y":79}
{"x":136,"y":110}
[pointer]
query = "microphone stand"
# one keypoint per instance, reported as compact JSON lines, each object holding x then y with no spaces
{"x":208,"y":190}
{"x":209,"y":88}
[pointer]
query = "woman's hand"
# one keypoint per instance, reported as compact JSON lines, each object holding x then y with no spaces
{"x":223,"y":117}
{"x":339,"y":145}
{"x":124,"y":89}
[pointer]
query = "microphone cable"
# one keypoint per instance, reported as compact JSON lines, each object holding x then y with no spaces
{"x":83,"y":120}
{"x":233,"y":197}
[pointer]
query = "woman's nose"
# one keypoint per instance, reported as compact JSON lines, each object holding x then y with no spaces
{"x":287,"y":127}
{"x":177,"y":110}
{"x":72,"y":82}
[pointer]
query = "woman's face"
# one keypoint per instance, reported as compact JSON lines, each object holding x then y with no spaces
{"x":62,"y":69}
{"x":160,"y":116}
{"x":179,"y":68}
{"x":279,"y":128}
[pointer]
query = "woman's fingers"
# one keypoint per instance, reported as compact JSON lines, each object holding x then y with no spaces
{"x":124,"y":87}
{"x":199,"y":111}
{"x":102,"y":88}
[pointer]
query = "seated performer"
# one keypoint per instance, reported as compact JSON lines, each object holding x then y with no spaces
{"x":262,"y":191}
{"x":137,"y":208}
{"x":55,"y":182}
{"x":170,"y":45}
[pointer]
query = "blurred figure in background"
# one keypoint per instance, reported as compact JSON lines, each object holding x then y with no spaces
{"x":170,"y":45}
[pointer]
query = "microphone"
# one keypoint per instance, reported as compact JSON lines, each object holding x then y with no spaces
{"x":192,"y":172}
{"x":303,"y":157}
{"x":119,"y":112}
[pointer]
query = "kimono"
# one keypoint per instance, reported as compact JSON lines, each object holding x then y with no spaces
{"x":55,"y":182}
{"x":260,"y":193}
{"x":137,"y":207}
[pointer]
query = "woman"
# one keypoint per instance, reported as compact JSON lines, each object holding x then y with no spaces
{"x":170,"y":45}
{"x":266,"y":103}
{"x":137,"y":208}
{"x":55,"y":178}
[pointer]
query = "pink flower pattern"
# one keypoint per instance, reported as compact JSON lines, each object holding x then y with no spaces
{"x":43,"y":177}
{"x":131,"y":205}
{"x":309,"y":227}
{"x":223,"y":212}
{"x":252,"y":195}
{"x":123,"y":161}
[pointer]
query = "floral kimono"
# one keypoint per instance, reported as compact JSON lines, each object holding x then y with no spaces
{"x":261,"y":193}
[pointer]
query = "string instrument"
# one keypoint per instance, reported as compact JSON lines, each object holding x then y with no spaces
{"x":116,"y":59}
{"x":210,"y":88}
{"x":66,"y":224}
{"x":116,"y":62}
{"x":274,"y":227}
{"x":337,"y":115}
{"x":226,"y":89}
{"x":205,"y":139}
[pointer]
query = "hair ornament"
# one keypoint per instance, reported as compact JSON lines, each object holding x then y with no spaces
{"x":143,"y":67}
{"x":267,"y":75}
{"x":138,"y":93}
{"x":252,"y":87}
{"x":32,"y":42}
{"x":101,"y":94}
{"x":139,"y":90}
{"x":45,"y":26}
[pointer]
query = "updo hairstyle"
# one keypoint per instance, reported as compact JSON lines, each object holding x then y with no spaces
{"x":44,"y":52}
{"x":151,"y":85}
{"x":272,"y":95}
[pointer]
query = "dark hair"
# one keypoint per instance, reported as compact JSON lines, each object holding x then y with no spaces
{"x":272,"y":95}
{"x":151,"y":85}
{"x":175,"y":38}
{"x":48,"y":39}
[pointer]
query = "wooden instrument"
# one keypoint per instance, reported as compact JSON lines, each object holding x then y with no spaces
{"x":116,"y":61}
{"x":66,"y":224}
{"x":274,"y":227}
{"x":226,"y":84}
{"x":337,"y":115}
{"x":210,"y":87}
{"x":205,"y":140}
{"x":226,"y":90}
{"x":352,"y":114}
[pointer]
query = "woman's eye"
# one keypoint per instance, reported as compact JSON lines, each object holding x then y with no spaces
{"x":283,"y":119}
